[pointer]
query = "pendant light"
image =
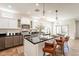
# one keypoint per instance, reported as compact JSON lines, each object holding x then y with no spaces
{"x":43,"y":9}
{"x":57,"y":22}
{"x":56,"y":15}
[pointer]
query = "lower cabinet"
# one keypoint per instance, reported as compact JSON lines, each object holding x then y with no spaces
{"x":2,"y":44}
{"x":16,"y":40}
{"x":9,"y":42}
{"x":20,"y":39}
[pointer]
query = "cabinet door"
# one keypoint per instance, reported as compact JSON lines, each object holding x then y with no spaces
{"x":8,"y":42}
{"x":21,"y":39}
{"x":2,"y":45}
{"x":16,"y":40}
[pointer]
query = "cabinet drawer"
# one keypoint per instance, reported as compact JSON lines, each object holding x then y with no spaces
{"x":2,"y":44}
{"x":8,"y":42}
{"x":16,"y":40}
{"x":21,"y":39}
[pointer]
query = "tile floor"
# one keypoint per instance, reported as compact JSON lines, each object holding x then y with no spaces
{"x":19,"y":51}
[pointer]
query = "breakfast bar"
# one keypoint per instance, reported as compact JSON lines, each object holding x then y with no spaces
{"x":33,"y":45}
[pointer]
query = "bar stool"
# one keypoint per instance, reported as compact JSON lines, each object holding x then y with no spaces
{"x":67,"y":38}
{"x":49,"y":48}
{"x":60,"y":42}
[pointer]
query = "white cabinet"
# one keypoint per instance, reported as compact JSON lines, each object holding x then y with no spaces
{"x":4,"y":23}
{"x":12,"y":23}
{"x":8,"y":23}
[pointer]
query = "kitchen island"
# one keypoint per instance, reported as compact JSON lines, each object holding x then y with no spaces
{"x":33,"y":45}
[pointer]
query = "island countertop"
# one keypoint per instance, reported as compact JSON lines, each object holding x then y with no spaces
{"x":38,"y":39}
{"x":33,"y":44}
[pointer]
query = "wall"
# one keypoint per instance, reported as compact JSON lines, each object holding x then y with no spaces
{"x":25,"y":20}
{"x":71,"y":24}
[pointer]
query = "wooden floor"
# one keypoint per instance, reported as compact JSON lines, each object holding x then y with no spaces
{"x":74,"y":48}
{"x":19,"y":51}
{"x":16,"y":51}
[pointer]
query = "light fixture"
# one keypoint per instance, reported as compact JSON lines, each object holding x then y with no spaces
{"x":56,"y":14}
{"x":43,"y":10}
{"x":37,"y":4}
{"x":37,"y":9}
{"x":57,"y":22}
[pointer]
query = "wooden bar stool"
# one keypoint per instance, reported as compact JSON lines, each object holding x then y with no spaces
{"x":60,"y":42}
{"x":67,"y":38}
{"x":49,"y":48}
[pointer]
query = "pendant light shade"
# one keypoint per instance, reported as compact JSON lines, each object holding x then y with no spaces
{"x":43,"y":9}
{"x":56,"y":14}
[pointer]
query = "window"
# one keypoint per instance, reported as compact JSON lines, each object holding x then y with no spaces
{"x":62,"y":29}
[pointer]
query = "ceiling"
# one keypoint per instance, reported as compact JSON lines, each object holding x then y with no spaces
{"x":65,"y":10}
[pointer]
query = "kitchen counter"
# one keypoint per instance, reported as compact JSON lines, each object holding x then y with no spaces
{"x":39,"y":39}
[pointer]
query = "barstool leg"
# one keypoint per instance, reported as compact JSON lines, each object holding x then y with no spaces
{"x":44,"y":54}
{"x":62,"y":50}
{"x":55,"y":53}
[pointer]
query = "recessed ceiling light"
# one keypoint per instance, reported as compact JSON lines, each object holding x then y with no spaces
{"x":37,"y":4}
{"x":9,"y":6}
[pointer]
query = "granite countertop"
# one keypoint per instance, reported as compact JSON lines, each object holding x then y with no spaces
{"x":5,"y":35}
{"x":39,"y":39}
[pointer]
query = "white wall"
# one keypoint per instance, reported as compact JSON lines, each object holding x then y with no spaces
{"x":72,"y":27}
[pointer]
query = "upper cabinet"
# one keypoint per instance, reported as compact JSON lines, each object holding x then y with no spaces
{"x":13,"y":23}
{"x":8,"y":23}
{"x":4,"y":23}
{"x":8,"y":20}
{"x":12,"y":20}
